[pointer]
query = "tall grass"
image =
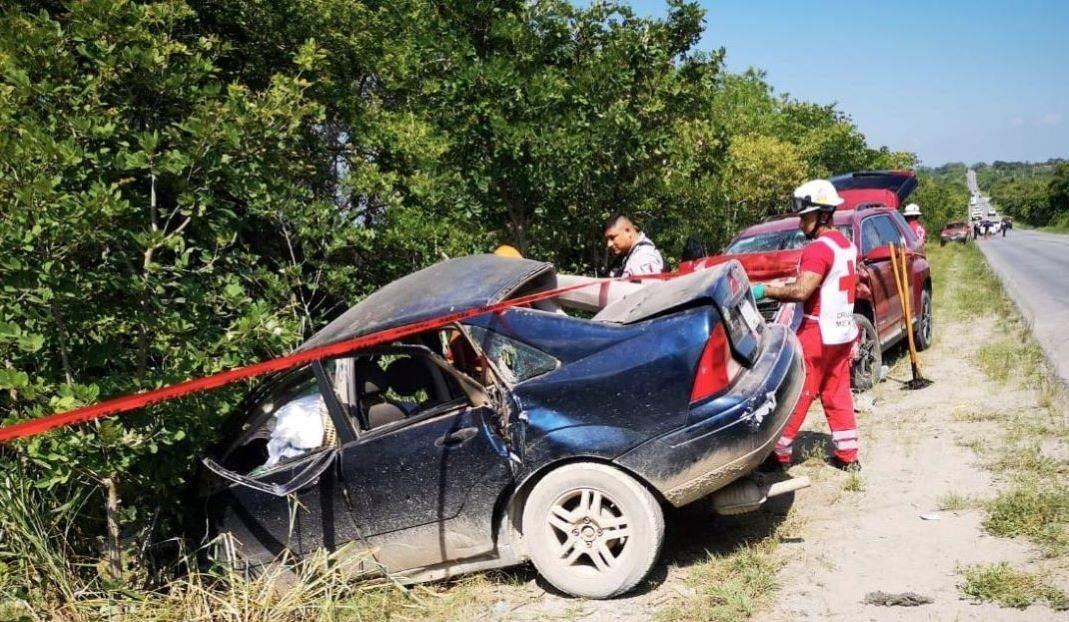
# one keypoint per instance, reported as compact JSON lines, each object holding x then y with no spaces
{"x":46,"y":574}
{"x":37,"y":541}
{"x":999,"y":583}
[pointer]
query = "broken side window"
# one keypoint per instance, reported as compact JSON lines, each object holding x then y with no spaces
{"x":515,"y":360}
{"x":290,"y":421}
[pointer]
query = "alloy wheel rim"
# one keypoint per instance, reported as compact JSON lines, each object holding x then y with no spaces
{"x":590,"y":530}
{"x":865,"y":358}
{"x":927,"y":320}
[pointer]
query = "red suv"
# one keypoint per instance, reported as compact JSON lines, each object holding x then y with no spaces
{"x":955,"y":232}
{"x":869,"y":217}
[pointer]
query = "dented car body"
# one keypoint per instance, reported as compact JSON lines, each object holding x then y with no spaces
{"x":430,"y":452}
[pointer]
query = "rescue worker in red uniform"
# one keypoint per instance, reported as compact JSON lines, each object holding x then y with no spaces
{"x":912,"y":214}
{"x":825,"y":287}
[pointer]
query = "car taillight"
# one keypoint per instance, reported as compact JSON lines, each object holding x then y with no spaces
{"x":716,"y":367}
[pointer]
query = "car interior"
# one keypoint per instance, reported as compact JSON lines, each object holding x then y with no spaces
{"x":376,"y":390}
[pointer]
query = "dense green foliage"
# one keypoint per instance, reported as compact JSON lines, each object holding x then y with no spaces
{"x":1037,"y":194}
{"x":943,"y":196}
{"x":191,"y":185}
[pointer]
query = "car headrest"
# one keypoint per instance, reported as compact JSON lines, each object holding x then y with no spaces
{"x":372,"y":380}
{"x":381,"y":414}
{"x":408,"y":375}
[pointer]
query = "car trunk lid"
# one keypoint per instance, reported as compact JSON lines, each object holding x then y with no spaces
{"x":890,"y":188}
{"x":725,"y":286}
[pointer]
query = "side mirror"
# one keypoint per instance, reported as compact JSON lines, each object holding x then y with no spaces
{"x":880,"y":253}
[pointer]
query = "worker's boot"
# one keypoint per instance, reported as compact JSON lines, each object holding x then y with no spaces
{"x":842,"y":465}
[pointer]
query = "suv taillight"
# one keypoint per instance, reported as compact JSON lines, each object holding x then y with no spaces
{"x":716,"y":367}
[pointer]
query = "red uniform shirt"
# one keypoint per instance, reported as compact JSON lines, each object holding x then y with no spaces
{"x":818,"y":258}
{"x":918,"y":230}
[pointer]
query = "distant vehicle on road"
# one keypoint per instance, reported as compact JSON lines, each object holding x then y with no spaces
{"x":990,"y":227}
{"x":955,"y":232}
{"x":870,"y":218}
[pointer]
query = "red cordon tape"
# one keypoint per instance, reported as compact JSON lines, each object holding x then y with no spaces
{"x":137,"y":400}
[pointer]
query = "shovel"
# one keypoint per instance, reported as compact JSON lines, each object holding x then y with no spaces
{"x":901,"y":273}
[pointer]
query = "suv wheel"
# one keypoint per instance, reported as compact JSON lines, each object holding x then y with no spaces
{"x":867,"y":356}
{"x":924,"y":322}
{"x":592,"y":530}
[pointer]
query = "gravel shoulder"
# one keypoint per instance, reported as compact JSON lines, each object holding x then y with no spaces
{"x":893,"y":536}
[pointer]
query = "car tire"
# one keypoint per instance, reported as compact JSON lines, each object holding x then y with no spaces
{"x":592,"y":530}
{"x":942,"y":242}
{"x":867,"y":356}
{"x":923,"y":332}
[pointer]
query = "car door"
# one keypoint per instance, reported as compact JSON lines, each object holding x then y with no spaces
{"x":276,"y":497}
{"x":424,"y":488}
{"x":878,"y":231}
{"x":911,"y":260}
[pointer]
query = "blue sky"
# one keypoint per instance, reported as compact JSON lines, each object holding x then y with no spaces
{"x":949,"y":80}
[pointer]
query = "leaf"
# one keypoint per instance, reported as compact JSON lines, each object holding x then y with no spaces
{"x":13,"y":379}
{"x":31,"y":343}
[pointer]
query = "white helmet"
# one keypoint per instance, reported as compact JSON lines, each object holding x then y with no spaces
{"x":818,"y":194}
{"x":912,"y":210}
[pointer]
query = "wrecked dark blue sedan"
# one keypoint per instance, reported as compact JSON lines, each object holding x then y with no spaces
{"x":554,"y":432}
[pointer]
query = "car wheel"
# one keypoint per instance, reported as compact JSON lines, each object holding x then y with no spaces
{"x":942,"y":242}
{"x":867,"y":356}
{"x":923,"y":335}
{"x":592,"y":530}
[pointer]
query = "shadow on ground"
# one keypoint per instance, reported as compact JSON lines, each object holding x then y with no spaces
{"x":809,"y":442}
{"x":692,"y":535}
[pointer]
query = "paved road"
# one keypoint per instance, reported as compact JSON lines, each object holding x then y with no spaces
{"x":970,"y":178}
{"x":1034,"y":269}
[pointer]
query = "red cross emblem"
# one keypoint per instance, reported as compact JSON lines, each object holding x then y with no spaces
{"x":848,"y":283}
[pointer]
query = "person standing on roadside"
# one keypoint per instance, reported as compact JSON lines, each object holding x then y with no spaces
{"x":636,"y":252}
{"x":912,"y":214}
{"x":825,"y":286}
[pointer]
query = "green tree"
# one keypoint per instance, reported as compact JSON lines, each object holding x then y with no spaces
{"x":1058,"y":190}
{"x":762,"y":171}
{"x":156,"y":225}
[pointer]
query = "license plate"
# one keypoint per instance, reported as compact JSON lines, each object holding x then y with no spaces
{"x":750,"y":315}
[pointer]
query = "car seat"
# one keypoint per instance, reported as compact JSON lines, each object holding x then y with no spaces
{"x":373,"y":384}
{"x":409,"y":377}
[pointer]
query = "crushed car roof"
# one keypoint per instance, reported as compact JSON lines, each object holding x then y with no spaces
{"x":446,"y":287}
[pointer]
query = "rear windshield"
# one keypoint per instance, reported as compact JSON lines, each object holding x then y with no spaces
{"x":791,"y":239}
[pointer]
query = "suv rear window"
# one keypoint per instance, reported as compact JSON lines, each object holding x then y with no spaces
{"x":788,"y":240}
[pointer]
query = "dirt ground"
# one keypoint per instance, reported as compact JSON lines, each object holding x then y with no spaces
{"x":892,"y":536}
{"x":846,"y":536}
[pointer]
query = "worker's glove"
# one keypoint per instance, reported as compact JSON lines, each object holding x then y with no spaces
{"x":758,"y":291}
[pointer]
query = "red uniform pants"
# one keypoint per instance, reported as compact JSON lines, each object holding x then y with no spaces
{"x":827,"y":374}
